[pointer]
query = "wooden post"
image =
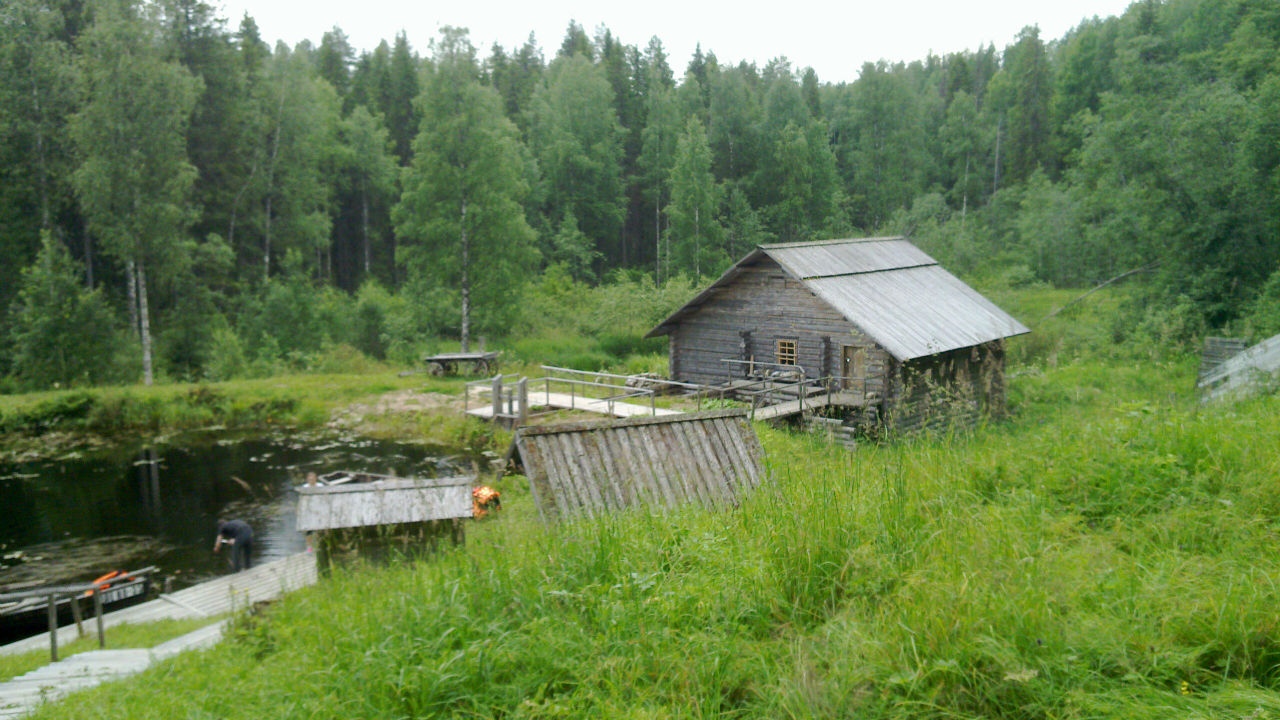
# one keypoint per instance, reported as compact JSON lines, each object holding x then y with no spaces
{"x":77,"y":615}
{"x":522,"y":392}
{"x":97,"y":611}
{"x":497,"y":396}
{"x":53,"y":627}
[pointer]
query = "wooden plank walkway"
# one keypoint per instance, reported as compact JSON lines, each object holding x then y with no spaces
{"x":85,"y":670}
{"x":26,"y":693}
{"x":773,"y":412}
{"x":565,"y":401}
{"x":208,"y":599}
{"x":219,"y":596}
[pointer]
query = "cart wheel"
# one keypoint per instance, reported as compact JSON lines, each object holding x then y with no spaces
{"x":484,"y":368}
{"x":435,"y":368}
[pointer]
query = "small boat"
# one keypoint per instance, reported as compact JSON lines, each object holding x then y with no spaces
{"x":28,"y":615}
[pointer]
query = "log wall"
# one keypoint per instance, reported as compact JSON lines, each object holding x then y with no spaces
{"x":769,"y":305}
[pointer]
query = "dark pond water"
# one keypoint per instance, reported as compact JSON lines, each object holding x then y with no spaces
{"x":72,"y":520}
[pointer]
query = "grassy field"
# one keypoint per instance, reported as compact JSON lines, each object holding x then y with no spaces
{"x":1107,"y":552}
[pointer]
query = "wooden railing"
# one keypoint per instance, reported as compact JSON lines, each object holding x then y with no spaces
{"x":75,"y":593}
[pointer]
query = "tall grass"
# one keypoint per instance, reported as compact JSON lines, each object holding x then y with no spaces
{"x":1109,"y":552}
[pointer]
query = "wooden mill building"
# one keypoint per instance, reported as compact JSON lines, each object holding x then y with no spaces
{"x":877,"y":317}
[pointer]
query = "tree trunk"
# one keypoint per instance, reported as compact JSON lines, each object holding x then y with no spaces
{"x":466,"y":283}
{"x":235,"y":206}
{"x":697,"y":241}
{"x":42,"y":167}
{"x":996,"y":184}
{"x":88,"y":258}
{"x":131,"y":279}
{"x":364,"y":224}
{"x":266,"y":242}
{"x":271,"y":181}
{"x":144,"y":316}
{"x":657,"y":236}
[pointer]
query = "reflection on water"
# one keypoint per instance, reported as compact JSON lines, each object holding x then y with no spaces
{"x":73,"y":520}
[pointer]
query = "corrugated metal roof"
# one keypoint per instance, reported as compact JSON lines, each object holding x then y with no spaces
{"x":917,"y":311}
{"x":847,"y":257}
{"x":889,"y":288}
{"x":1244,"y":372}
{"x":589,"y":469}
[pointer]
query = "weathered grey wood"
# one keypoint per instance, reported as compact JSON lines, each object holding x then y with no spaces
{"x":593,"y":468}
{"x":881,"y":295}
{"x":53,"y":627}
{"x":383,"y":502}
{"x":97,"y":614}
{"x":77,"y":616}
{"x":496,"y":395}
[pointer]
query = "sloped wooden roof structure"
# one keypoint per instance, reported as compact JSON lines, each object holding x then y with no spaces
{"x":590,"y":469}
{"x":891,"y":289}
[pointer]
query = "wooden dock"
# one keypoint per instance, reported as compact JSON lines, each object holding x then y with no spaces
{"x":566,"y":401}
{"x":219,"y":596}
{"x":208,"y":599}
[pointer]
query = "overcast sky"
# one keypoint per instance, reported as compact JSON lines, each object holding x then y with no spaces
{"x":835,"y":38}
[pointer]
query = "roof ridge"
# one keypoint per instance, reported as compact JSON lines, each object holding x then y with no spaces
{"x":869,"y":272}
{"x":836,"y":241}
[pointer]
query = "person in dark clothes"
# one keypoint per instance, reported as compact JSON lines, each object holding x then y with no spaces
{"x":239,"y":536}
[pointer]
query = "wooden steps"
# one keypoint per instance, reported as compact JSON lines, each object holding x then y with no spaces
{"x":23,"y":695}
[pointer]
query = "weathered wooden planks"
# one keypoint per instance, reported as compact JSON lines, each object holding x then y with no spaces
{"x":588,"y":469}
{"x":389,"y":501}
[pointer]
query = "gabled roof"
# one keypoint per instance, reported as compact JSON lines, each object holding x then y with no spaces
{"x":891,"y":289}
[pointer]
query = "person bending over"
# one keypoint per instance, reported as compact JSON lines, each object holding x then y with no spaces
{"x":239,"y":536}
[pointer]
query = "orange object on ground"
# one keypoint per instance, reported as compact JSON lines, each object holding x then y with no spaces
{"x":484,"y":499}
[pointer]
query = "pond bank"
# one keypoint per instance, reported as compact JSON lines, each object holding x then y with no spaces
{"x":78,"y":422}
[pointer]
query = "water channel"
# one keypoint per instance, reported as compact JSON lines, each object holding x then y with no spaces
{"x":75,"y":519}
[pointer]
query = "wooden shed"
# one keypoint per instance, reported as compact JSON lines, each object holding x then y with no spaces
{"x":588,"y":469}
{"x":877,"y":317}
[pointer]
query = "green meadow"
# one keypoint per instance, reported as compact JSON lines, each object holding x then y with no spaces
{"x":1106,"y":551}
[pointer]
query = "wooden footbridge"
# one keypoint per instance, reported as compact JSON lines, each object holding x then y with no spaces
{"x":515,"y":398}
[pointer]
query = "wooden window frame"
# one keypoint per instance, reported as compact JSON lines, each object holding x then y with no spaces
{"x":787,"y":351}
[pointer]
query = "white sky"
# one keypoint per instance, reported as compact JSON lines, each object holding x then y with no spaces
{"x":835,"y":38}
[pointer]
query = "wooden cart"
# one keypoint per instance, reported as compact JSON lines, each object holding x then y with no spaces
{"x":482,"y":363}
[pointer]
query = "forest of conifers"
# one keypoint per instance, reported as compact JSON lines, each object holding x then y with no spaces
{"x":179,"y":199}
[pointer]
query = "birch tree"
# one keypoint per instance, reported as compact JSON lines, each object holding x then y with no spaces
{"x":460,"y":215}
{"x":134,"y":180}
